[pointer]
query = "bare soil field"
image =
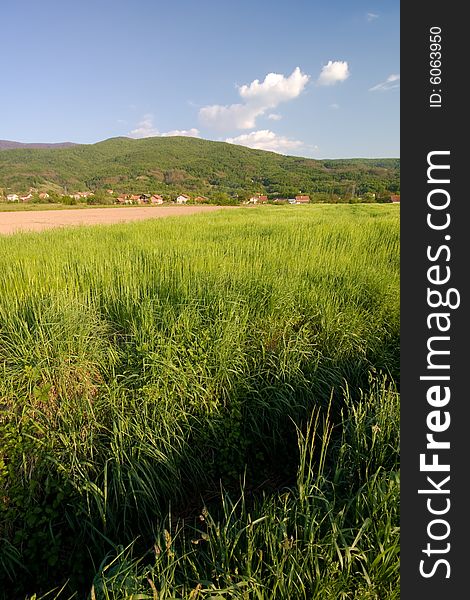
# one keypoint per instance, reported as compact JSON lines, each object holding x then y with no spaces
{"x":37,"y":220}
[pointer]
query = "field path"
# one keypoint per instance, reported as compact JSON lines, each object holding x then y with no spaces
{"x":37,"y":220}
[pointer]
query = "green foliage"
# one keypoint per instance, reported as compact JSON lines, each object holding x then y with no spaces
{"x":180,"y":164}
{"x":222,"y":199}
{"x":37,"y":200}
{"x":67,"y":201}
{"x":314,"y":540}
{"x":101,"y":197}
{"x":145,"y":363}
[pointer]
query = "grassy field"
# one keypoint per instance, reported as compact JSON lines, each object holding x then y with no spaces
{"x":202,"y":407}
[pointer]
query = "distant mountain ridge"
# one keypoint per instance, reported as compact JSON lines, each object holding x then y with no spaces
{"x":11,"y":145}
{"x":189,"y":165}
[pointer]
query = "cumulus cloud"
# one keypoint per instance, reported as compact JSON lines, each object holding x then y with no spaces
{"x":392,"y":82}
{"x":264,"y":139}
{"x":193,"y":132}
{"x":145,"y":128}
{"x":258,"y":97}
{"x":371,"y":16}
{"x":333,"y":72}
{"x":275,"y":117}
{"x":234,"y":116}
{"x":275,"y":88}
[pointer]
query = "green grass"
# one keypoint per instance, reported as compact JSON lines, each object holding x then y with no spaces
{"x":146,"y":365}
{"x":303,"y":542}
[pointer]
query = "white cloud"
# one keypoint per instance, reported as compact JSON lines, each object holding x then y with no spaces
{"x":392,"y":82}
{"x":275,"y":88}
{"x":258,"y":98}
{"x":234,"y":116}
{"x":275,"y":117}
{"x":193,"y":132}
{"x":264,"y":139}
{"x":371,"y":16}
{"x":333,"y":72}
{"x":335,"y":106}
{"x":145,"y":128}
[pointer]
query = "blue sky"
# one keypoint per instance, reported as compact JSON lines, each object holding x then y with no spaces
{"x":300,"y":77}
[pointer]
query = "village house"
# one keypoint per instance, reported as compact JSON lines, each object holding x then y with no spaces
{"x":395,"y":198}
{"x":81,"y":195}
{"x":182,"y":199}
{"x":139,"y":199}
{"x":13,"y":197}
{"x":302,"y":199}
{"x":26,"y":198}
{"x":258,"y":199}
{"x":44,"y":195}
{"x":200,"y":199}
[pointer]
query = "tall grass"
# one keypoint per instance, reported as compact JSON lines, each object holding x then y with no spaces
{"x":310,"y":541}
{"x":144,"y":364}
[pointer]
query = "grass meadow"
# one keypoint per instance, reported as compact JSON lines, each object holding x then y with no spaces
{"x":202,"y":407}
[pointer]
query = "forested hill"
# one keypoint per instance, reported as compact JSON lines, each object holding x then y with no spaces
{"x":8,"y":145}
{"x":167,"y":164}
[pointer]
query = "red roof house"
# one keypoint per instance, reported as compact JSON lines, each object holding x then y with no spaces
{"x":258,"y":199}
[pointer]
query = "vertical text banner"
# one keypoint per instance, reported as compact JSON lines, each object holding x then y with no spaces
{"x":435,"y":236}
